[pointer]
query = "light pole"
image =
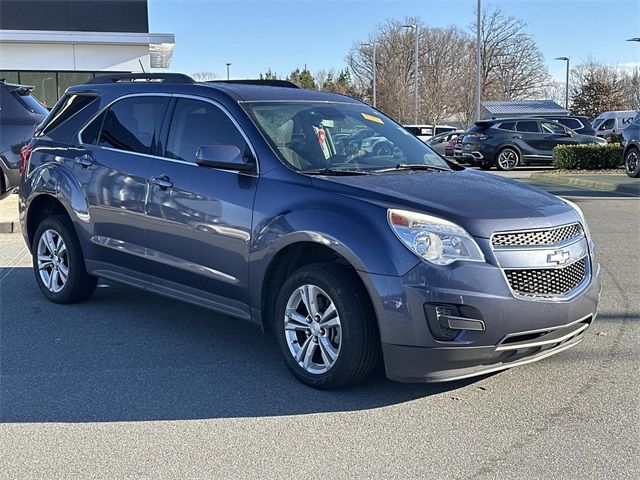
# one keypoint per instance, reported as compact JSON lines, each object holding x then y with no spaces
{"x":478,"y":25}
{"x":566,"y":85}
{"x":228,"y":65}
{"x":415,"y":85}
{"x":373,"y":47}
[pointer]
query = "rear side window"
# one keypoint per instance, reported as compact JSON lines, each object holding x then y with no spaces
{"x":67,"y":107}
{"x":30,"y":102}
{"x":196,"y":123}
{"x":527,"y":126}
{"x":548,"y":127}
{"x":133,"y":124}
{"x":570,"y":122}
{"x":507,"y":126}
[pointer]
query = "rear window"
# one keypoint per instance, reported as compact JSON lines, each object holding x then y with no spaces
{"x":30,"y":102}
{"x":67,"y":107}
{"x":527,"y":126}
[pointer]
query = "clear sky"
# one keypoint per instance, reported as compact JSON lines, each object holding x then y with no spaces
{"x":255,"y":35}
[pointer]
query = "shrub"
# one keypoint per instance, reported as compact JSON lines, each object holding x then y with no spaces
{"x":587,"y":157}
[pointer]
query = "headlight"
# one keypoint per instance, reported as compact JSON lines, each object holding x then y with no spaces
{"x":581,"y":215}
{"x":433,"y":239}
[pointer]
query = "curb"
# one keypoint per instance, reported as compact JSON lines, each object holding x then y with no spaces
{"x":9,"y":227}
{"x":631,"y":188}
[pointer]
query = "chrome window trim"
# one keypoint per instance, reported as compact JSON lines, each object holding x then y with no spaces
{"x":174,"y":160}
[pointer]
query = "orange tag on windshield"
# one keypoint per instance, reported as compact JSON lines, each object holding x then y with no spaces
{"x":321,"y":136}
{"x":372,"y":118}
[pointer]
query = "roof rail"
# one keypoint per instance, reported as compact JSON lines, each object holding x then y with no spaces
{"x":130,"y":77}
{"x":249,"y":81}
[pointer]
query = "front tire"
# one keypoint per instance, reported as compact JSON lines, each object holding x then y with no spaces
{"x":326,"y":328}
{"x":632,"y":162}
{"x":507,"y":159}
{"x":58,"y":262}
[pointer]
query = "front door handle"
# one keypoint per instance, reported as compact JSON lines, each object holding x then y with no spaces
{"x":517,"y":137}
{"x":164,"y":183}
{"x":84,"y":160}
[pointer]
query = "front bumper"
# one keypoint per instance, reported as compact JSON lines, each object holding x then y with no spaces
{"x":440,"y":364}
{"x":516,"y":330}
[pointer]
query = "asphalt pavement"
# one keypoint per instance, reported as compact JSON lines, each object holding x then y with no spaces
{"x":131,"y":385}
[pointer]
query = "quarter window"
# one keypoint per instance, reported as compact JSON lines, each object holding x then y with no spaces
{"x":527,"y":126}
{"x":91,"y":132}
{"x":196,"y":123}
{"x":132,"y":124}
{"x":67,"y":107}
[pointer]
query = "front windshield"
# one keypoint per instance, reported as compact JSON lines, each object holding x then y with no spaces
{"x":313,"y":136}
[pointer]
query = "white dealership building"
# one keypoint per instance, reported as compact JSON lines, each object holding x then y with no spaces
{"x":58,"y":43}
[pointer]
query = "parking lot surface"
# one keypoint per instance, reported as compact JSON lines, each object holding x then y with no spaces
{"x":131,"y":385}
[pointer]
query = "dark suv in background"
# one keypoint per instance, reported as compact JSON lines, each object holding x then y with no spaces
{"x":238,"y":197}
{"x":580,"y":125}
{"x":508,"y":142}
{"x":20,"y":112}
{"x":631,"y":148}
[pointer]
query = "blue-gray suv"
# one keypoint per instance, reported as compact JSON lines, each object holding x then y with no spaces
{"x":258,"y":200}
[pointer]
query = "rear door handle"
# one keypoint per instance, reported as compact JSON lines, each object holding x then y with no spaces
{"x":517,"y":137}
{"x":84,"y":160}
{"x":163,"y":182}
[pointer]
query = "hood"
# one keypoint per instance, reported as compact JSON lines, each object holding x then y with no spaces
{"x":482,"y":203}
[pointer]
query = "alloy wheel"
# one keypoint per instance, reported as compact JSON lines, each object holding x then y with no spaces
{"x":507,"y":159}
{"x":631,"y":163}
{"x":53,"y":261}
{"x":312,"y":329}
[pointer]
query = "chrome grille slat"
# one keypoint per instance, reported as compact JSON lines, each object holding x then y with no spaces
{"x":532,"y":238}
{"x":547,"y":282}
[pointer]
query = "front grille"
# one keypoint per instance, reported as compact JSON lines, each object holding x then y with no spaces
{"x":532,"y":238}
{"x":548,"y":282}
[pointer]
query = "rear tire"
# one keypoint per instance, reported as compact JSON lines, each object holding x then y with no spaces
{"x":334,"y":343}
{"x":632,"y":162}
{"x":507,"y":159}
{"x":58,"y":262}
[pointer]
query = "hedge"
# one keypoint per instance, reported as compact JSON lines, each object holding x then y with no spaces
{"x":587,"y":157}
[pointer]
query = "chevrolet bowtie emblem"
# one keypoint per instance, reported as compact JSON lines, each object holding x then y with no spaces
{"x":559,"y":257}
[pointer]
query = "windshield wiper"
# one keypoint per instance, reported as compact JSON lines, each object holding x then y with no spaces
{"x":333,"y":171}
{"x":412,"y":166}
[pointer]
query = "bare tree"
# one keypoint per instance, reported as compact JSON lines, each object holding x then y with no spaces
{"x":631,"y":88}
{"x":512,"y":66}
{"x":394,"y":65}
{"x":203,"y":76}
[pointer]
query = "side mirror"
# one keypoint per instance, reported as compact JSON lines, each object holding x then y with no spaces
{"x":567,"y":134}
{"x":224,"y":157}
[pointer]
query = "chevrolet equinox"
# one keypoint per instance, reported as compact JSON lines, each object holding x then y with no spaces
{"x":264,"y":202}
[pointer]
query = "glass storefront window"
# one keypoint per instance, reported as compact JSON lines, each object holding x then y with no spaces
{"x":9,"y":77}
{"x":67,"y":79}
{"x":46,"y":86}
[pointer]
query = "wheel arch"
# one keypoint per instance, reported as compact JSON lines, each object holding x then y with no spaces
{"x":42,"y":206}
{"x":292,"y":257}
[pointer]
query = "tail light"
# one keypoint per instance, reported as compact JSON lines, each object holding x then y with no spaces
{"x":25,"y":156}
{"x":478,"y":136}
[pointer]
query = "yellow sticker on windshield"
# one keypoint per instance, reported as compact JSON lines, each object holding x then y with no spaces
{"x":372,"y":118}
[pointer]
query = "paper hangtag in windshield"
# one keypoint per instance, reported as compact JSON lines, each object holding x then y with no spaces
{"x":372,"y":118}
